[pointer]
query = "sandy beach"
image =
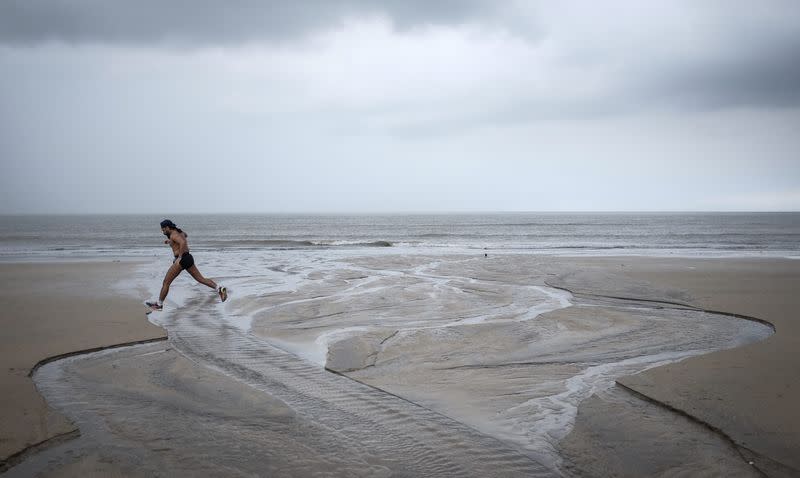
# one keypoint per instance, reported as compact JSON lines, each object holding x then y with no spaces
{"x":445,"y":358}
{"x":51,"y":310}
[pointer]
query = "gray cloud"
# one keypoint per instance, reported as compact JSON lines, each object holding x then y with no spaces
{"x":743,"y":55}
{"x":207,"y":22}
{"x":765,"y":78}
{"x":751,"y":65}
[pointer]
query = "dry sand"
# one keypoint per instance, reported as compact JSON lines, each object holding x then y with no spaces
{"x":749,"y":394}
{"x":50,"y":310}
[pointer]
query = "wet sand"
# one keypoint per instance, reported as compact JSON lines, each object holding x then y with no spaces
{"x":50,"y":310}
{"x":150,"y":411}
{"x":748,"y":394}
{"x":167,"y":407}
{"x":510,"y":378}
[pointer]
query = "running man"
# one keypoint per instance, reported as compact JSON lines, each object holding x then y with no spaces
{"x":183,"y":261}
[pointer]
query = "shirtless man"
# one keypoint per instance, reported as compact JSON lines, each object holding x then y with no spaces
{"x":183,"y":260}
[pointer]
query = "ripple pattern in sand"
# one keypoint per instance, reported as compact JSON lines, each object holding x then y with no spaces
{"x":430,"y":444}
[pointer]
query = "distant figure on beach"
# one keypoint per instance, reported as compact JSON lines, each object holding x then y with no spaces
{"x":183,"y":261}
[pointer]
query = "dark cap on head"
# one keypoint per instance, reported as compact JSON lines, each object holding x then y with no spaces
{"x":168,"y":223}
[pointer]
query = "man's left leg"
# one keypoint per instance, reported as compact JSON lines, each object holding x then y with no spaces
{"x":195,"y":272}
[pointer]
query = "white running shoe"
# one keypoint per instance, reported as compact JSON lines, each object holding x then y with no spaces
{"x":154,"y":305}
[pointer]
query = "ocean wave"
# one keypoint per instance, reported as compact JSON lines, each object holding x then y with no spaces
{"x":363,"y":244}
{"x":283,"y":244}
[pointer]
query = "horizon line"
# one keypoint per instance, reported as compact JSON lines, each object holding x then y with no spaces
{"x":398,"y":212}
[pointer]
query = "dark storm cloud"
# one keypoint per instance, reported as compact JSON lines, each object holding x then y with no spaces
{"x":768,"y":77}
{"x":204,"y":22}
{"x":733,"y":55}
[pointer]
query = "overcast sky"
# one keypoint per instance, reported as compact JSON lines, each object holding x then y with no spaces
{"x":398,"y":105}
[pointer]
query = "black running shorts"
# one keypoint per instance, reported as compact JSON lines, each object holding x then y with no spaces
{"x":187,"y":261}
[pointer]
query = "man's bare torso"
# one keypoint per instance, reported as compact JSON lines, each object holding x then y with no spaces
{"x":174,"y":241}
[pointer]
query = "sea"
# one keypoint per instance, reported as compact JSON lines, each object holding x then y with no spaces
{"x":653,"y":234}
